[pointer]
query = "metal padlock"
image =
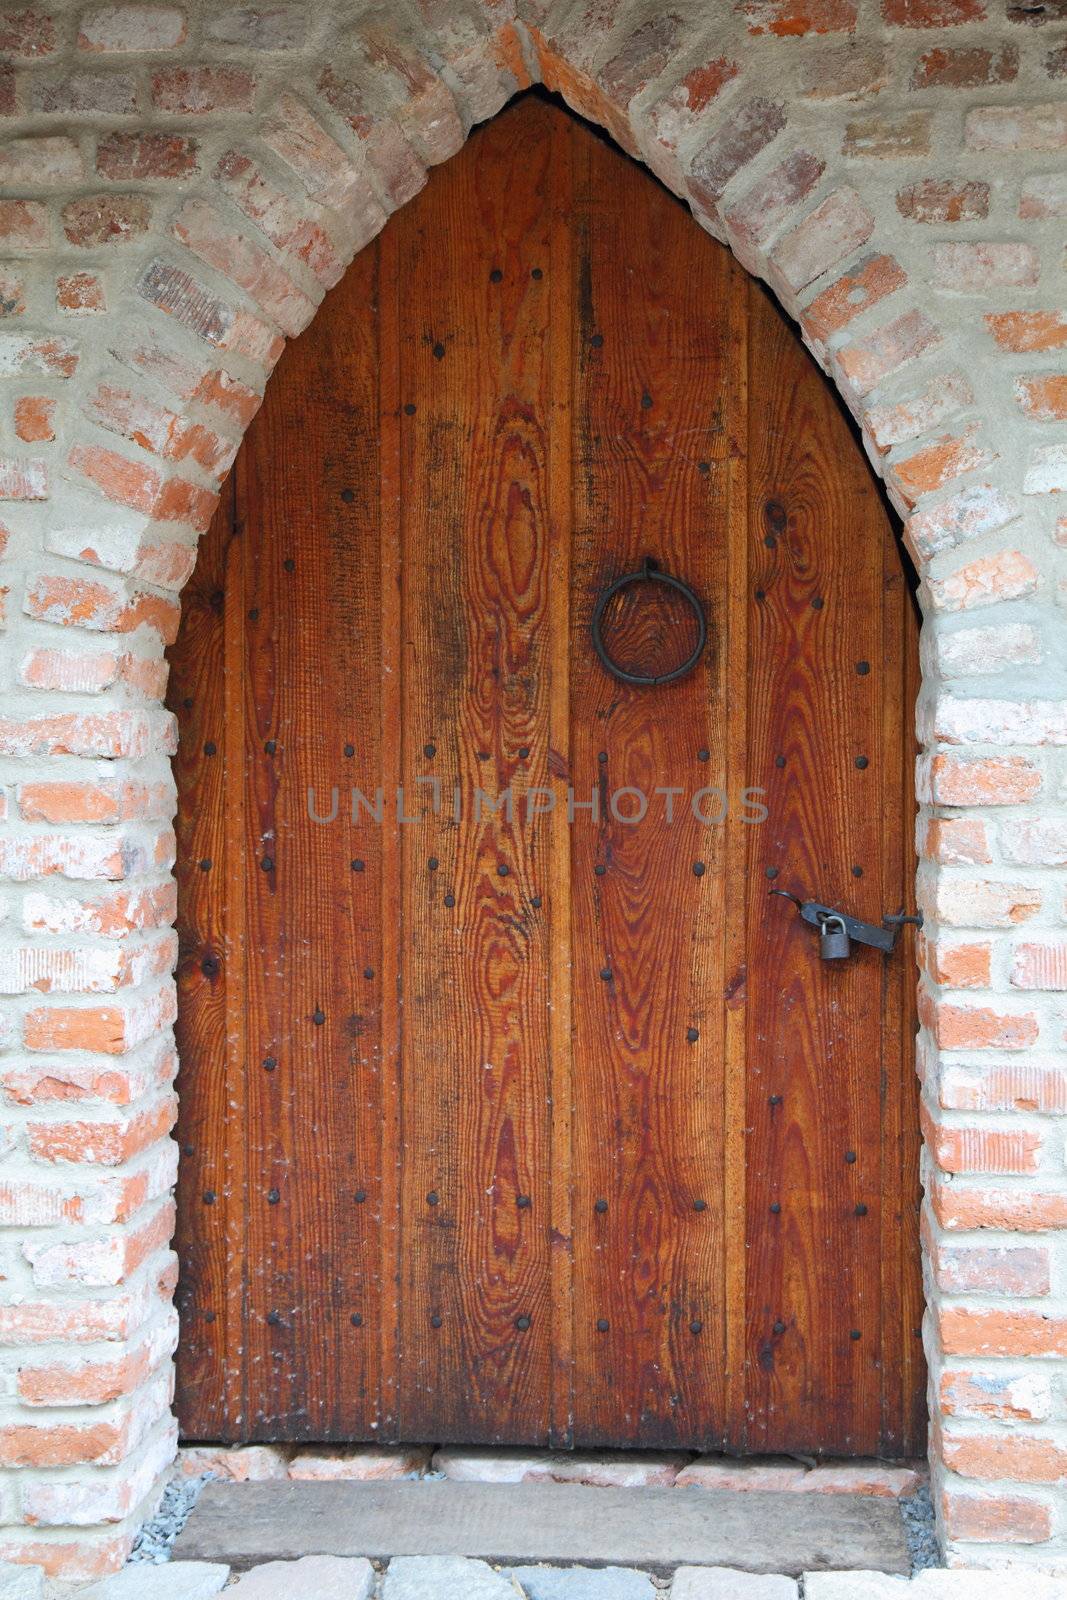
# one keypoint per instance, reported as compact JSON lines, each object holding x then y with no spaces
{"x":834,"y":942}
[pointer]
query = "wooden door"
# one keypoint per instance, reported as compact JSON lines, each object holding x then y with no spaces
{"x":500,"y":1124}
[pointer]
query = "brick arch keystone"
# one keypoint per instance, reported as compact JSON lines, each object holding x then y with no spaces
{"x":179,"y":186}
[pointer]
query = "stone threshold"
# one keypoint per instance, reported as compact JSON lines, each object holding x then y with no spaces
{"x":511,"y":1525}
{"x":609,"y":1469}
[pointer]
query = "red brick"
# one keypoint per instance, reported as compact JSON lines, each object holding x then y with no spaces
{"x":83,"y":1561}
{"x":211,"y":237}
{"x":936,"y":464}
{"x":1006,"y":1395}
{"x":196,"y":91}
{"x":302,"y":143}
{"x":72,"y":1082}
{"x":393,"y":160}
{"x":111,"y":857}
{"x":27,"y":32}
{"x":870,"y":280}
{"x":1043,"y":396}
{"x":160,"y":430}
{"x":131,"y":157}
{"x":103,"y":1143}
{"x":977,"y":1148}
{"x":1022,"y":1457}
{"x":1025,"y":1210}
{"x":939,"y":200}
{"x":1017,"y":127}
{"x":291,"y":230}
{"x":114,"y":915}
{"x":111,"y":735}
{"x":957,"y":966}
{"x":1022,"y":1270}
{"x":1013,"y":1085}
{"x":932,"y":13}
{"x":635,"y":62}
{"x":38,"y":163}
{"x":145,"y":676}
{"x":1008,"y":575}
{"x":995,"y":1518}
{"x":969,"y":1027}
{"x":103,"y":607}
{"x":86,"y":1382}
{"x":35,"y":419}
{"x":794,"y":18}
{"x":887,"y":425}
{"x":109,"y":1030}
{"x":99,"y":800}
{"x":957,"y":841}
{"x":979,"y":509}
{"x":871,"y":359}
{"x":106,"y":219}
{"x":1056,"y":62}
{"x":143,"y":488}
{"x":884,"y":136}
{"x":227,"y":395}
{"x":191,"y":303}
{"x":977,"y":268}
{"x":24,"y":226}
{"x":754,"y":217}
{"x":740,"y":136}
{"x":69,"y":671}
{"x":61,"y":1444}
{"x":841,"y":224}
{"x":123,"y":28}
{"x":81,"y":293}
{"x":110,"y":94}
{"x":1040,"y":966}
{"x":965,"y":67}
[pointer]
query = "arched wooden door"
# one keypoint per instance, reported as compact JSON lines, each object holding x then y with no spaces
{"x":499,"y":1124}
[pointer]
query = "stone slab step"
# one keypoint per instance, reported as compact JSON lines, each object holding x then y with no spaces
{"x":516,"y":1524}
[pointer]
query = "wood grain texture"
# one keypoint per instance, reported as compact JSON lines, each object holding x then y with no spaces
{"x":513,"y":1130}
{"x":475,"y":357}
{"x":818,"y":745}
{"x":195,"y":695}
{"x":650,"y":440}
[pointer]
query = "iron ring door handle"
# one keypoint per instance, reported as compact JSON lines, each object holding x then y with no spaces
{"x":649,"y":572}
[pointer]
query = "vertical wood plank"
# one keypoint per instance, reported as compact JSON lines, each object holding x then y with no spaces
{"x":476,"y":1196}
{"x":903,"y":1370}
{"x":651,"y":444}
{"x":565,"y":135}
{"x":390,"y":899}
{"x":196,"y":696}
{"x":815,"y":742}
{"x":308,"y":497}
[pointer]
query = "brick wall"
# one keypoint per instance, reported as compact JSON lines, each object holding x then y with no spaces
{"x":178,"y":187}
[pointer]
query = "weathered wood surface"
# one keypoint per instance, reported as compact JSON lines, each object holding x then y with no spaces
{"x":245,"y":1524}
{"x":496,"y":1128}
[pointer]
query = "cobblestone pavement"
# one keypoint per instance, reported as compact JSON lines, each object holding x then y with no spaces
{"x":456,"y":1578}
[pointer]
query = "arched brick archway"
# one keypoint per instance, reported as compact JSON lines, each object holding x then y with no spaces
{"x":180,"y":189}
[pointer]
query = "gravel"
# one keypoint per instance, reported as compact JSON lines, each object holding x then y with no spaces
{"x":153,"y":1543}
{"x":918,"y":1512}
